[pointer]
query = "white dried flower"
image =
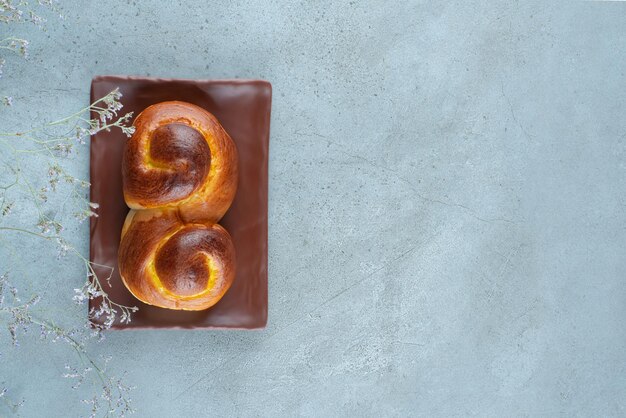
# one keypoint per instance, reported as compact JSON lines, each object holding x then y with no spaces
{"x":6,"y":210}
{"x":46,"y":186}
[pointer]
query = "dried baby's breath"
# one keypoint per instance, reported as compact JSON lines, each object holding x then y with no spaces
{"x":57,"y":196}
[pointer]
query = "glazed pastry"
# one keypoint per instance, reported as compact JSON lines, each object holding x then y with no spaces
{"x":179,"y":174}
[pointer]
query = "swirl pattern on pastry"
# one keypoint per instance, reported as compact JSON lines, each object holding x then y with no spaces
{"x":172,"y":264}
{"x":179,"y":175}
{"x":180,"y":156}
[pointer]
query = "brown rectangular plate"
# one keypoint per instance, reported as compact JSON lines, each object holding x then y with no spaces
{"x":243,"y":108}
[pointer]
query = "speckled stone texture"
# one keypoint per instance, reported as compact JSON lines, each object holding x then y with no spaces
{"x":447,"y":206}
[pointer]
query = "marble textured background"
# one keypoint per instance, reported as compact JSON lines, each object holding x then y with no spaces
{"x":447,"y":206}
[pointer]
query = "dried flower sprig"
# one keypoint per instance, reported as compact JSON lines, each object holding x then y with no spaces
{"x":48,"y":227}
{"x":15,"y":45}
{"x":52,"y":143}
{"x":52,"y":194}
{"x":20,"y":12}
{"x":27,"y":11}
{"x":12,"y":405}
{"x":114,"y":393}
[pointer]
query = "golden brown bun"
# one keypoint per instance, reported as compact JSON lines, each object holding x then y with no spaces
{"x":179,"y":174}
{"x":180,"y":156}
{"x":172,"y":264}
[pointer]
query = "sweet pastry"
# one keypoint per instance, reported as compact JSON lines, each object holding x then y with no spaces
{"x":179,"y":174}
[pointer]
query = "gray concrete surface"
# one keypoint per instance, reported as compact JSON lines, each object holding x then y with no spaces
{"x":447,"y":207}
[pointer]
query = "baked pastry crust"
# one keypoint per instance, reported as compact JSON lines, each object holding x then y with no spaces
{"x":179,"y":174}
{"x":180,"y":156}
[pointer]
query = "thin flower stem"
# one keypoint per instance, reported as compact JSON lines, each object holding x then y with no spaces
{"x":26,"y":231}
{"x":87,"y":263}
{"x":17,"y":177}
{"x":78,"y":347}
